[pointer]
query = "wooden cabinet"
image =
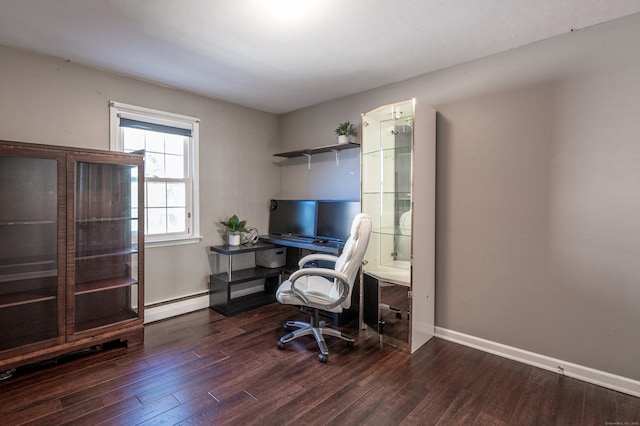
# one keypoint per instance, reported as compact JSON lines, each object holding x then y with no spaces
{"x":71,"y":258}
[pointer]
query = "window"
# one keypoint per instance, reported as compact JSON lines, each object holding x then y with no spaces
{"x":170,"y":144}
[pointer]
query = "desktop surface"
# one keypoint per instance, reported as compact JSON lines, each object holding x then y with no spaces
{"x":322,"y":246}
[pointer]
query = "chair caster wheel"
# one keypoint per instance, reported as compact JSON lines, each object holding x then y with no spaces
{"x":349,"y":344}
{"x":280,"y":345}
{"x":323,"y":358}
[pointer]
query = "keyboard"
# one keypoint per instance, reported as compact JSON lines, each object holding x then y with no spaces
{"x":296,"y":238}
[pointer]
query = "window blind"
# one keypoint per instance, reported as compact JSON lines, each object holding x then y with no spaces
{"x":154,"y":127}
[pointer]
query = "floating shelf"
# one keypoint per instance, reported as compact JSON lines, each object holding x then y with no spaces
{"x":318,"y":150}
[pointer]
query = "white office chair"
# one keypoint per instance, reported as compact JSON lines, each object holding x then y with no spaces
{"x":325,"y":289}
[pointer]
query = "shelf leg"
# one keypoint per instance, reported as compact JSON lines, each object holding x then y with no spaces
{"x":335,"y":151}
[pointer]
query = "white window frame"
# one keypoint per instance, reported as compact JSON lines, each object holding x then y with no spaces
{"x":117,"y":110}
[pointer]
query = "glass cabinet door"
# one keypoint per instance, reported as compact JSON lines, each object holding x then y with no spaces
{"x":387,"y":142}
{"x":30,"y":286}
{"x":106,"y":239}
{"x":387,"y":174}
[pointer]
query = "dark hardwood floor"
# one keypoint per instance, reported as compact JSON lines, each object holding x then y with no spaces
{"x":203,"y":368}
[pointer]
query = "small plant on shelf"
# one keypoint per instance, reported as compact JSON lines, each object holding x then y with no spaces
{"x":346,"y":132}
{"x":235,"y":227}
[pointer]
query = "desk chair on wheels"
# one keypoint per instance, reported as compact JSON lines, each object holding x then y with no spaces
{"x":325,"y":289}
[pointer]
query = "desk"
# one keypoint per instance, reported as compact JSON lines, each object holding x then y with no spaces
{"x":328,"y":247}
{"x":221,"y":284}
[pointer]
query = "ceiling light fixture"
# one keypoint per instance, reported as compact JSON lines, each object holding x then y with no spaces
{"x":287,"y":9}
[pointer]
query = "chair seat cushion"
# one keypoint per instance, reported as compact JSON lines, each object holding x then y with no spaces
{"x":319,"y":290}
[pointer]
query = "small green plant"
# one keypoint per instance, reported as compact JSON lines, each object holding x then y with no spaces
{"x":346,"y":129}
{"x":235,"y":225}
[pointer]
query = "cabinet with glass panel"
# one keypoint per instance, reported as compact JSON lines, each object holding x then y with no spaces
{"x":398,"y":191}
{"x":31,"y":255}
{"x":104,"y":237}
{"x":71,"y":261}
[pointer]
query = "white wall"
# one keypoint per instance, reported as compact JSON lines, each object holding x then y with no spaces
{"x":49,"y":101}
{"x":538,"y":231}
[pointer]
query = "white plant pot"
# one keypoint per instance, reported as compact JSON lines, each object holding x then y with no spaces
{"x":343,"y":139}
{"x":234,"y":239}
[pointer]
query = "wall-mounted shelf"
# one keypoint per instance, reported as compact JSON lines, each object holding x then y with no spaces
{"x":317,"y":150}
{"x":307,"y":152}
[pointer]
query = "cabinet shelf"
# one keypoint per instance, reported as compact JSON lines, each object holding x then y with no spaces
{"x":25,"y":298}
{"x":25,"y":268}
{"x":103,"y":285}
{"x":317,"y":150}
{"x":104,"y":219}
{"x":27,"y":261}
{"x":21,"y":276}
{"x":106,"y":253}
{"x":387,"y":230}
{"x":405,"y":195}
{"x":27,"y":222}
{"x":108,"y":320}
{"x":390,"y":153}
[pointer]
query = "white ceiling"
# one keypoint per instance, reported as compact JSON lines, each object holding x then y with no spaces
{"x":240,"y":51}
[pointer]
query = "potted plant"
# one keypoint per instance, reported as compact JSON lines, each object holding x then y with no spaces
{"x":346,"y":132}
{"x":234,"y":227}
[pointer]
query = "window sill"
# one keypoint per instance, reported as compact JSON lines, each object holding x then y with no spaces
{"x":172,"y":242}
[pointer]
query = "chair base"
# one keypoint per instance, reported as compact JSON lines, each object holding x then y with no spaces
{"x":312,"y":327}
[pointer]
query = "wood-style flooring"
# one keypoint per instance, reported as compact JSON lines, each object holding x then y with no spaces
{"x":203,"y":368}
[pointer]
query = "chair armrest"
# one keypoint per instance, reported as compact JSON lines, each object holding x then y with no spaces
{"x":316,"y":256}
{"x":341,"y":278}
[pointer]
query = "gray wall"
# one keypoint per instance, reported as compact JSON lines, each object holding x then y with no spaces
{"x":538,"y":199}
{"x":49,"y":101}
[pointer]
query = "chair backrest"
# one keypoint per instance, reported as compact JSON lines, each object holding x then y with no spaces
{"x":350,"y":260}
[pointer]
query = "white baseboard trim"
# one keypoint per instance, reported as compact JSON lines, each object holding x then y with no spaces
{"x":590,"y":375}
{"x":180,"y":307}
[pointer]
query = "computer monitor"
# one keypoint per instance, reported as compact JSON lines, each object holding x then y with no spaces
{"x":293,"y":217}
{"x":335,"y":218}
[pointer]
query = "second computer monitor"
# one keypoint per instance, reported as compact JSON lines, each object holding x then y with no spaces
{"x":334,"y":219}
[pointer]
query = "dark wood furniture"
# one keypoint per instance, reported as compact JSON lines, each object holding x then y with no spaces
{"x":72,"y":252}
{"x":222,"y":285}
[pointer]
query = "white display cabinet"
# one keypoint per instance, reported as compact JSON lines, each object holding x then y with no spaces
{"x":398,"y":191}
